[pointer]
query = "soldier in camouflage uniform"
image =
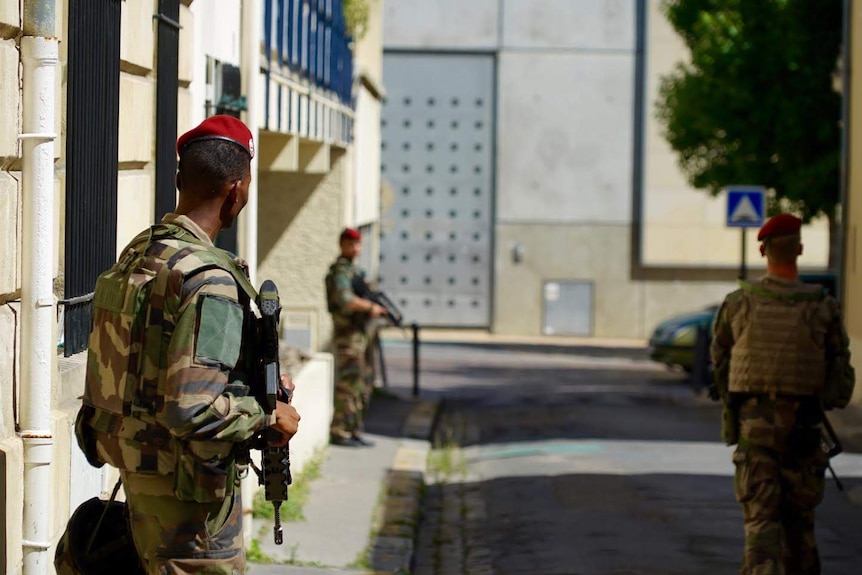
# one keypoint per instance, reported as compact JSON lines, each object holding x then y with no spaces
{"x":781,"y":357}
{"x":166,"y":398}
{"x":350,"y":315}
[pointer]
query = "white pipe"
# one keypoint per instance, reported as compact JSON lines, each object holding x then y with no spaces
{"x":38,"y":345}
{"x":251,"y":37}
{"x":252,"y":16}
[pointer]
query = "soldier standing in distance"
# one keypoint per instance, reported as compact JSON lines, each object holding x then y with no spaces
{"x":171,"y":351}
{"x":350,"y":315}
{"x":781,"y":357}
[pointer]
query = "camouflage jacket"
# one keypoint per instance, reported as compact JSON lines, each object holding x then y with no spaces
{"x":169,"y":359}
{"x":781,"y":337}
{"x":339,"y":293}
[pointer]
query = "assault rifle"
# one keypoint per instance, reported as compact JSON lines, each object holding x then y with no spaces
{"x":363,"y":290}
{"x":831,"y":445}
{"x":274,"y":473}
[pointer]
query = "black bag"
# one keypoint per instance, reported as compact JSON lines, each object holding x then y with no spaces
{"x":98,"y":541}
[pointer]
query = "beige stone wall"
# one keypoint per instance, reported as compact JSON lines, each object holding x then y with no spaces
{"x":136,"y":194}
{"x":853,"y":246}
{"x":683,"y":226}
{"x":10,"y":277}
{"x":298,"y":238}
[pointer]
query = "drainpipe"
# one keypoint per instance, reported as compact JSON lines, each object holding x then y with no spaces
{"x":39,"y":49}
{"x":250,"y":65}
{"x":251,"y":38}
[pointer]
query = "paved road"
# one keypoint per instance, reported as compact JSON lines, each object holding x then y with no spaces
{"x":587,"y":464}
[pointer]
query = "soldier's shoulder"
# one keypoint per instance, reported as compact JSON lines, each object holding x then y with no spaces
{"x":342,"y":265}
{"x":734,"y":297}
{"x":733,"y":303}
{"x":187,"y":258}
{"x":831,"y":304}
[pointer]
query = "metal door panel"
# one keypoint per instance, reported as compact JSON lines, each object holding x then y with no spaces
{"x":436,"y":237}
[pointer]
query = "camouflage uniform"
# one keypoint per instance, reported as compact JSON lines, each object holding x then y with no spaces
{"x":781,"y":355}
{"x":166,"y":398}
{"x":350,"y":342}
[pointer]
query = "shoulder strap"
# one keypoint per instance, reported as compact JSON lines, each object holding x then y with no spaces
{"x":207,"y":255}
{"x":146,"y":395}
{"x":813,"y":295}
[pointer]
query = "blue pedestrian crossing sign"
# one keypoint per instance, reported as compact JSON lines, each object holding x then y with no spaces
{"x":745,"y":206}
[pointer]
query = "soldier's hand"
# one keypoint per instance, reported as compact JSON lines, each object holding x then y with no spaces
{"x":376,"y":310}
{"x":287,"y":387}
{"x":286,"y":422}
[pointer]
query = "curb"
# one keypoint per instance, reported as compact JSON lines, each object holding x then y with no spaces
{"x":397,"y":522}
{"x":625,"y":349}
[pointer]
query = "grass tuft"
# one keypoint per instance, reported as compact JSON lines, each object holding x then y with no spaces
{"x":447,"y":462}
{"x":254,"y":555}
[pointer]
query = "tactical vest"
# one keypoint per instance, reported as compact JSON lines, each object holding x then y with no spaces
{"x":133,"y":321}
{"x":778,"y":342}
{"x":341,"y":320}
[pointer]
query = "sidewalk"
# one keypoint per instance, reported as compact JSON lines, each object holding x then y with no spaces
{"x":362,"y":512}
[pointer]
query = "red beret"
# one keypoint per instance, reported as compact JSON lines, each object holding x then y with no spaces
{"x":219,"y":127}
{"x":350,"y":234}
{"x":780,"y":225}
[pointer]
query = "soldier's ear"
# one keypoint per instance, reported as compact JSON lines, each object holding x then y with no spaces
{"x":179,"y":181}
{"x":762,"y":249}
{"x":800,"y":249}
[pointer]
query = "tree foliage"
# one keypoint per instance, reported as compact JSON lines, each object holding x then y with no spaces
{"x":757,"y":103}
{"x":356,"y":15}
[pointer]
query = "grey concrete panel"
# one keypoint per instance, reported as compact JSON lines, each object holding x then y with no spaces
{"x":440,"y":24}
{"x":565,"y":128}
{"x":569,"y":24}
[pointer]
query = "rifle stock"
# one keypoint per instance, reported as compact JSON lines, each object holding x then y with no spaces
{"x":274,"y":473}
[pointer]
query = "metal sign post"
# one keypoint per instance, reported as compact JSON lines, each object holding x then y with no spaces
{"x":745,"y":209}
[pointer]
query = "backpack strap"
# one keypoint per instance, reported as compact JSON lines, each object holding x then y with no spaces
{"x":143,"y":400}
{"x":813,"y":295}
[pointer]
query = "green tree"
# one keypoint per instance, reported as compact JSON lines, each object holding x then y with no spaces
{"x":758,"y":102}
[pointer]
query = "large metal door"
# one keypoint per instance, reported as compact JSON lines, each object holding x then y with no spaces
{"x":437,"y":159}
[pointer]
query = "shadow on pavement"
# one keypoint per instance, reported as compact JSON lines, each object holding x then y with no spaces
{"x":596,"y":524}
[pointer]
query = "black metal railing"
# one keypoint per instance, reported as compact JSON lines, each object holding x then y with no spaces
{"x":92,"y":141}
{"x":167,"y":84}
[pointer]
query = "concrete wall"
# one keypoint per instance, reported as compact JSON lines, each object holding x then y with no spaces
{"x":449,"y":24}
{"x":363,"y":206}
{"x":370,"y":92}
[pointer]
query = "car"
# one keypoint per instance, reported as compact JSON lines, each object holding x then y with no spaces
{"x":672,"y":341}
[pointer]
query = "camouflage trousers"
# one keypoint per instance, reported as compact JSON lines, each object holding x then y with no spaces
{"x":351,"y":390}
{"x":779,"y":481}
{"x":176,"y":537}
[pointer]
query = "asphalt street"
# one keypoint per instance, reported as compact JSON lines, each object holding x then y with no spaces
{"x":587,"y":462}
